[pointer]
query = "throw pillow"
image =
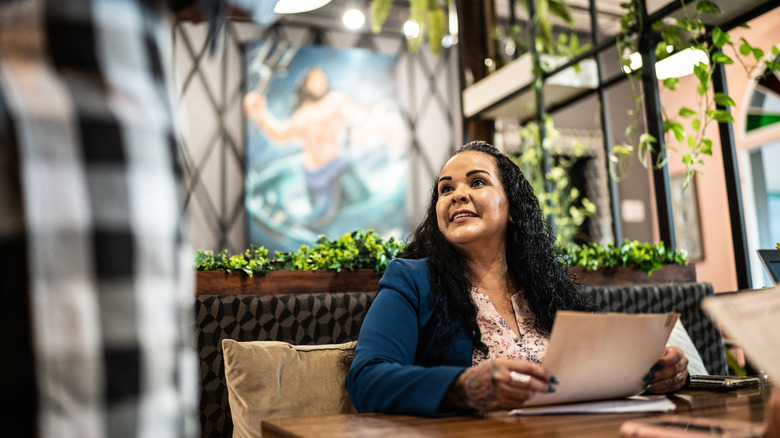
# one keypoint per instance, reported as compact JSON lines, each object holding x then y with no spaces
{"x":270,"y":379}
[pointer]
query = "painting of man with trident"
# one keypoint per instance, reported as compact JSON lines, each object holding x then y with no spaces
{"x":323,"y":126}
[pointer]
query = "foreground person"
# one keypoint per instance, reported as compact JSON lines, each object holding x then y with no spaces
{"x":462,"y":320}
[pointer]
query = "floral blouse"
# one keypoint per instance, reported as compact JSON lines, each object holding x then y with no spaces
{"x":501,"y":341}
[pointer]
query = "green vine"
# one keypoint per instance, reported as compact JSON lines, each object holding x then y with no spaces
{"x":429,"y":15}
{"x":675,"y":35}
{"x":512,"y":42}
{"x":565,"y":204}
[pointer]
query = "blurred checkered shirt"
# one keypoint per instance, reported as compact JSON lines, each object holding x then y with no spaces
{"x":95,"y":273}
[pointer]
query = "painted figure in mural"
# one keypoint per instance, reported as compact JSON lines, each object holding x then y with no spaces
{"x":324,"y":122}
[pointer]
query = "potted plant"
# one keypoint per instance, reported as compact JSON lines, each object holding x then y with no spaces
{"x":564,"y":205}
{"x":356,"y":261}
{"x":353,"y":262}
{"x":631,"y":262}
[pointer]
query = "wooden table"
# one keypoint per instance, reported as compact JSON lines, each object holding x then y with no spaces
{"x":744,"y":404}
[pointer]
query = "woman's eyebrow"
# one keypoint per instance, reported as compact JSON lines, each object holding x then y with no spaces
{"x":468,"y":174}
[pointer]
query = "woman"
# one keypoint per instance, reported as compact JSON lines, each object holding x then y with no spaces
{"x":462,"y":320}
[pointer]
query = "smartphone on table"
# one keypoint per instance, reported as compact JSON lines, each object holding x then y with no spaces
{"x":722,"y":383}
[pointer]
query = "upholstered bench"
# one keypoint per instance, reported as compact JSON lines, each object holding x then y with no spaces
{"x":331,"y":318}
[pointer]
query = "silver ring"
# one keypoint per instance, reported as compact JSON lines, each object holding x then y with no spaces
{"x":521,"y":380}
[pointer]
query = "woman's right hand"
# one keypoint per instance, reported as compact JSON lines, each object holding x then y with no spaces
{"x":498,"y":385}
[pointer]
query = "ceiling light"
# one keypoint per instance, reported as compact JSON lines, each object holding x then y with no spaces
{"x":298,"y":6}
{"x":354,"y":19}
{"x":448,"y":41}
{"x":678,"y":65}
{"x":411,"y":29}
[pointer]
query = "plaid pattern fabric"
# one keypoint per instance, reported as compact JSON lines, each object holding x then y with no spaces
{"x":97,"y":282}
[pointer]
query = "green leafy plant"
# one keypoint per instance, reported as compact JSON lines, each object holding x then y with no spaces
{"x":676,"y":35}
{"x":564,"y":203}
{"x":253,"y":260}
{"x":647,"y":257}
{"x":355,"y":250}
{"x":430,"y":16}
{"x":367,"y":250}
{"x":513,"y":43}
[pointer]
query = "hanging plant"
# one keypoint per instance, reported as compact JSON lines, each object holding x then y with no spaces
{"x":429,"y":15}
{"x":689,"y":125}
{"x":564,"y":204}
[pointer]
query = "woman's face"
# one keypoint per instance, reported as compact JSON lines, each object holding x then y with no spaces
{"x":472,"y":210}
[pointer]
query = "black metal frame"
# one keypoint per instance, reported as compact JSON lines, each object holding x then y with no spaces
{"x":655,"y":124}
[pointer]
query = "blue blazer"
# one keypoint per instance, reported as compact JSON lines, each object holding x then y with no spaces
{"x":399,"y":366}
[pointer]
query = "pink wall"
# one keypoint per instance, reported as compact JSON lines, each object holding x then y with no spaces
{"x":718,"y":266}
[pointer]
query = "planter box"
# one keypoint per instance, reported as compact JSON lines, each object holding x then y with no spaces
{"x":615,"y":276}
{"x":361,"y":280}
{"x":285,"y":282}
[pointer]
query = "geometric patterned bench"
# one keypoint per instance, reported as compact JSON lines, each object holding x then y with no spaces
{"x":683,"y":298}
{"x":327,"y":318}
{"x":301,"y":319}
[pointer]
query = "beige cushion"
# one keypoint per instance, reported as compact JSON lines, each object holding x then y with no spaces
{"x":269,"y":379}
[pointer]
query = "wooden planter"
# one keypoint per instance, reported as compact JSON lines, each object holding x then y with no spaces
{"x":285,"y":282}
{"x":361,"y":280}
{"x":615,"y":276}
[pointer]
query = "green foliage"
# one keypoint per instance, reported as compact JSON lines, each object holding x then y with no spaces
{"x":430,"y":16}
{"x":677,"y":34}
{"x":355,"y":250}
{"x":378,"y":11}
{"x":367,"y":250}
{"x":253,"y":260}
{"x":513,"y":43}
{"x":562,"y":202}
{"x":647,"y":257}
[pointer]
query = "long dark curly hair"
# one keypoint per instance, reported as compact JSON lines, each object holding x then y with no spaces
{"x":531,"y":255}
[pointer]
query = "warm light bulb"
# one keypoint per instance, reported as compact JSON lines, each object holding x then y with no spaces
{"x":354,"y":19}
{"x":411,"y":29}
{"x":298,"y":6}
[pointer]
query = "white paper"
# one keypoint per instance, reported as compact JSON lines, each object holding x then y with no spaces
{"x":598,"y":356}
{"x":653,"y":403}
{"x":751,"y":319}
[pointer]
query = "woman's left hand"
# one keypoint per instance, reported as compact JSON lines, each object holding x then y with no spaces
{"x":668,"y":374}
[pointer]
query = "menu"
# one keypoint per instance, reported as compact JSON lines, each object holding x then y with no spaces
{"x":598,"y":356}
{"x":751,"y":319}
